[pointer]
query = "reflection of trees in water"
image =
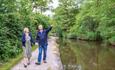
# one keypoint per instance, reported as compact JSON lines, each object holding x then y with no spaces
{"x":90,"y":55}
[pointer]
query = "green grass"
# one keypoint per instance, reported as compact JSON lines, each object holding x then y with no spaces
{"x":14,"y":61}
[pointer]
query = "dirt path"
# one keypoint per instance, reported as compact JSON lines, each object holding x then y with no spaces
{"x":53,"y":59}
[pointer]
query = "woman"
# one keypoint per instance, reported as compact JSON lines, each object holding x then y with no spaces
{"x":26,"y":44}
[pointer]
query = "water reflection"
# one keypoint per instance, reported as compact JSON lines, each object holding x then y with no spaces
{"x":82,"y":55}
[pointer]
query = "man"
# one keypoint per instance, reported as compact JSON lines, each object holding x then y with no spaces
{"x":41,"y":39}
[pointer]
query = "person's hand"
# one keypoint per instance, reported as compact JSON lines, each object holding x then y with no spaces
{"x":36,"y":43}
{"x":51,"y":25}
{"x":23,"y":46}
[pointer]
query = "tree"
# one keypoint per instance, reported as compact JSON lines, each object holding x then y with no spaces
{"x":7,"y":6}
{"x":65,"y":13}
{"x":102,"y":15}
{"x":40,"y":5}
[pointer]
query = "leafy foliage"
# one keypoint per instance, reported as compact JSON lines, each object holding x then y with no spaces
{"x":65,"y":15}
{"x":14,"y":16}
{"x":87,"y":19}
{"x":95,"y":17}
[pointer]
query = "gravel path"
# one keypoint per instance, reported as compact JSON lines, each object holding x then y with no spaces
{"x":53,"y":59}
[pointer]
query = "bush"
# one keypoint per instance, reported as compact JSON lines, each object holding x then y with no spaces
{"x":10,"y":32}
{"x":112,"y":40}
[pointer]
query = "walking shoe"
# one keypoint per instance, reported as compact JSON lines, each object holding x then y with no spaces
{"x":28,"y":63}
{"x":37,"y":63}
{"x":25,"y":65}
{"x":44,"y":61}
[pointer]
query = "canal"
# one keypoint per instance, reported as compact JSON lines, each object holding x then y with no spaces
{"x":84,"y":55}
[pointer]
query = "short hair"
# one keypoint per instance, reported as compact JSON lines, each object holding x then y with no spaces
{"x":40,"y":25}
{"x":26,"y":30}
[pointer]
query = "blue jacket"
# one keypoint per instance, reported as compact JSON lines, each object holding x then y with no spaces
{"x":41,"y":38}
{"x":24,"y":40}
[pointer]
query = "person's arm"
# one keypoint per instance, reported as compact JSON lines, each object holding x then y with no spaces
{"x":37,"y":38}
{"x":23,"y":40}
{"x":49,"y":29}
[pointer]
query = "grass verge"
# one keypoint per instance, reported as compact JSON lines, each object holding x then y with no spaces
{"x":14,"y":61}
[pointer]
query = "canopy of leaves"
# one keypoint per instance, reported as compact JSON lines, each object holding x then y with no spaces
{"x":65,"y":15}
{"x":95,"y":17}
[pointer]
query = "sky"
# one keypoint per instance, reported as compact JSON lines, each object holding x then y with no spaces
{"x":54,"y":5}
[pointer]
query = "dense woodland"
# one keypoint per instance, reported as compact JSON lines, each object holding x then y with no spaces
{"x":83,"y":19}
{"x":87,"y":19}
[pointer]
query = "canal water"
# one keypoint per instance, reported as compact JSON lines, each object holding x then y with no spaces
{"x":83,"y":55}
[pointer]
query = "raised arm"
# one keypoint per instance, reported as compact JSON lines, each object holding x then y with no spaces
{"x":48,"y":29}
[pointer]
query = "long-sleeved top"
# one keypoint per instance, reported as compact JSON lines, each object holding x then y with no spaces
{"x":41,"y":37}
{"x":24,"y":39}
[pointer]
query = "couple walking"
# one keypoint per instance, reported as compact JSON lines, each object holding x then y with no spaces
{"x":41,"y":39}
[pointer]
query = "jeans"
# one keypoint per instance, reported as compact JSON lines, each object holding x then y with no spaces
{"x":44,"y":48}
